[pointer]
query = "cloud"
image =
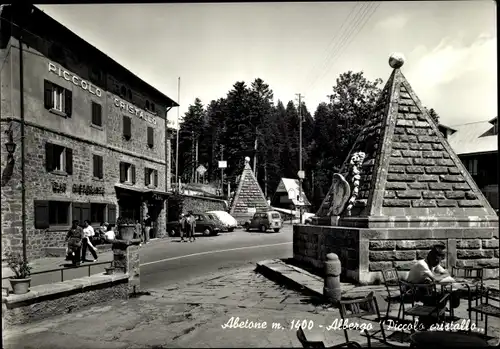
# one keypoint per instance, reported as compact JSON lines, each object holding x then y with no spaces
{"x":393,"y":22}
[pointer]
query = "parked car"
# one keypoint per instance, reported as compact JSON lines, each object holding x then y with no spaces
{"x":206,"y":224}
{"x":226,"y":219}
{"x":265,"y":221}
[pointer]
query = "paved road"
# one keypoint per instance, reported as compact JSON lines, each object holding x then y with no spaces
{"x":170,"y":262}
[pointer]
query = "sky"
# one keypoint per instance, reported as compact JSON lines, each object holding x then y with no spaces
{"x":449,"y":46}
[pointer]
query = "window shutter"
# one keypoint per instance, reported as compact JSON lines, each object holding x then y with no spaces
{"x":132,"y":169}
{"x":48,"y":96}
{"x":150,"y":137}
{"x":146,"y":177}
{"x":77,"y":212}
{"x":69,"y":161}
{"x":101,"y":170}
{"x":49,"y":156}
{"x":122,"y":172}
{"x":127,"y":127}
{"x":68,"y":102}
{"x":156,"y":177}
{"x":111,"y":214}
{"x":96,"y":165}
{"x":85,"y":211}
{"x":96,"y":114}
{"x":41,"y":214}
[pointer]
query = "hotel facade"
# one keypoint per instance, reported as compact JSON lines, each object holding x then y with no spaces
{"x":82,"y":137}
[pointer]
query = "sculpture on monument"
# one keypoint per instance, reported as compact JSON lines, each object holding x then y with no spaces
{"x":355,"y":166}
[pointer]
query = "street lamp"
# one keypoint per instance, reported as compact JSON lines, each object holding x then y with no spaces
{"x":10,"y":145}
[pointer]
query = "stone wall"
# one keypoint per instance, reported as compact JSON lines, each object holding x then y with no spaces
{"x":363,"y":252}
{"x":63,"y":297}
{"x":202,"y":204}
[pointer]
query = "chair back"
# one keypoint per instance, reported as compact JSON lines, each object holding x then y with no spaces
{"x":391,"y":279}
{"x":470,"y":273}
{"x":415,"y":292}
{"x":308,"y":344}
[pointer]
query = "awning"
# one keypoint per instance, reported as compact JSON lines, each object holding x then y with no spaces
{"x":157,"y":194}
{"x":129,"y":188}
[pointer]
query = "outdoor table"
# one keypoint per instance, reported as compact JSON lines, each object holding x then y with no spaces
{"x":441,"y":339}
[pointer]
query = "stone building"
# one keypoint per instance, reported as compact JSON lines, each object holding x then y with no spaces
{"x":96,"y":137}
{"x":248,"y":198}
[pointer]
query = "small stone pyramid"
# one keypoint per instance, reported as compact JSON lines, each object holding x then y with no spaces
{"x":410,"y":176}
{"x":248,"y":197}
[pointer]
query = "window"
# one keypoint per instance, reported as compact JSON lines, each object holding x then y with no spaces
{"x":471,"y":165}
{"x":147,"y":104}
{"x":96,"y":114}
{"x":81,"y":211}
{"x":58,"y":158}
{"x":129,"y":95}
{"x":96,"y":75}
{"x":153,"y":107}
{"x":127,"y":127}
{"x":151,"y":133}
{"x":123,"y":91}
{"x":98,"y":168}
{"x":150,"y":177}
{"x":127,"y":173}
{"x":49,"y":213}
{"x":58,"y":99}
{"x":97,"y":213}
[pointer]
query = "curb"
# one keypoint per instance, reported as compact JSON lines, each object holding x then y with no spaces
{"x":281,"y":279}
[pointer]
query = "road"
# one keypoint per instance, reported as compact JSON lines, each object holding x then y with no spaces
{"x":167,"y":261}
{"x":170,"y":262}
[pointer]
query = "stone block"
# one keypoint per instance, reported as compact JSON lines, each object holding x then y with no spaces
{"x":440,"y":186}
{"x":417,"y":244}
{"x":404,"y":265}
{"x":433,"y":194}
{"x":409,"y":116}
{"x":389,"y":194}
{"x":428,"y":139}
{"x":425,"y":162}
{"x":422,"y":254}
{"x":455,"y":195}
{"x":461,"y":186}
{"x":395,"y":186}
{"x":399,"y":131}
{"x":423,"y":203}
{"x":432,"y":154}
{"x":382,"y":256}
{"x":396,"y":169}
{"x":394,"y":177}
{"x":446,"y":203}
{"x":444,"y":162}
{"x":405,"y":255}
{"x":418,"y":185}
{"x":491,"y":243}
{"x":377,"y":266}
{"x":437,"y":146}
{"x":399,"y":161}
{"x":399,"y":145}
{"x":382,"y":244}
{"x":474,"y":254}
{"x":423,"y":124}
{"x":420,"y":146}
{"x":417,"y":131}
{"x":427,"y":178}
{"x":396,"y":153}
{"x":469,"y":244}
{"x":409,"y":194}
{"x":470,"y":195}
{"x":454,"y":170}
{"x":436,"y":169}
{"x":485,"y":263}
{"x":497,"y":254}
{"x":414,"y":169}
{"x":469,"y":203}
{"x":452,"y":178}
{"x":407,"y":123}
{"x":405,"y":138}
{"x":411,"y":153}
{"x":396,"y":203}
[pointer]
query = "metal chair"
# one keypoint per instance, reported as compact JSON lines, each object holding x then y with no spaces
{"x":474,"y":274}
{"x":417,"y":293}
{"x":485,"y":308}
{"x":391,"y":281}
{"x":361,"y":308}
{"x":320,"y":344}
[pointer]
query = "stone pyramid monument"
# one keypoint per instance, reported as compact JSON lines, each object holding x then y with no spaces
{"x":248,"y":197}
{"x":400,"y":191}
{"x":407,"y":173}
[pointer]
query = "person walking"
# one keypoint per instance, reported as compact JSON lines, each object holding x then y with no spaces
{"x":147,"y":227}
{"x":190,"y":226}
{"x":182,"y":226}
{"x":88,"y":232}
{"x":74,"y":239}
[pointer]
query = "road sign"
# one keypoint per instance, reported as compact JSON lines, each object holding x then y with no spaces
{"x":201,"y":170}
{"x":301,"y":174}
{"x":222,"y":164}
{"x":292,"y":194}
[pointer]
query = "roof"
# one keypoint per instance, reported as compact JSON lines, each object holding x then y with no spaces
{"x":405,"y":171}
{"x":291,"y":185}
{"x":474,"y":138}
{"x":39,"y":19}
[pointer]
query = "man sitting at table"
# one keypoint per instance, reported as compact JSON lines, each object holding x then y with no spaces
{"x":429,"y":270}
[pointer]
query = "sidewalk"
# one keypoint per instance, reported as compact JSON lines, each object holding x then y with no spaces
{"x":187,"y":315}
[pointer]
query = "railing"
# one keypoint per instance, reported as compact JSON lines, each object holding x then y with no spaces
{"x":89,"y":266}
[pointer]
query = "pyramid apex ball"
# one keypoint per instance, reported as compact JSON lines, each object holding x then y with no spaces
{"x":396,"y":60}
{"x":247,"y":159}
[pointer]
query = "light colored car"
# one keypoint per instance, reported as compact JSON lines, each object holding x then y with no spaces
{"x":228,"y":221}
{"x":264,"y":221}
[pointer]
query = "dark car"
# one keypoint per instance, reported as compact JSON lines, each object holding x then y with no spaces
{"x":264,"y":221}
{"x":206,"y":224}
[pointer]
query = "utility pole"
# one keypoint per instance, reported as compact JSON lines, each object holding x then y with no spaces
{"x":300,"y":151}
{"x":222,"y":170}
{"x":255,"y":154}
{"x":196,"y":161}
{"x":193,"y":165}
{"x":177,"y":138}
{"x":265,"y":179}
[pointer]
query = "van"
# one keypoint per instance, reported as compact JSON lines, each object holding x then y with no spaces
{"x":263,"y":221}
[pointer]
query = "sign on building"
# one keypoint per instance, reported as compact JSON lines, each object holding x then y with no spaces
{"x":222,"y":164}
{"x":201,"y":170}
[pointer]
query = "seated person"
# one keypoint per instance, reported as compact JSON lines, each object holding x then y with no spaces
{"x":429,"y":270}
{"x":110,"y":233}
